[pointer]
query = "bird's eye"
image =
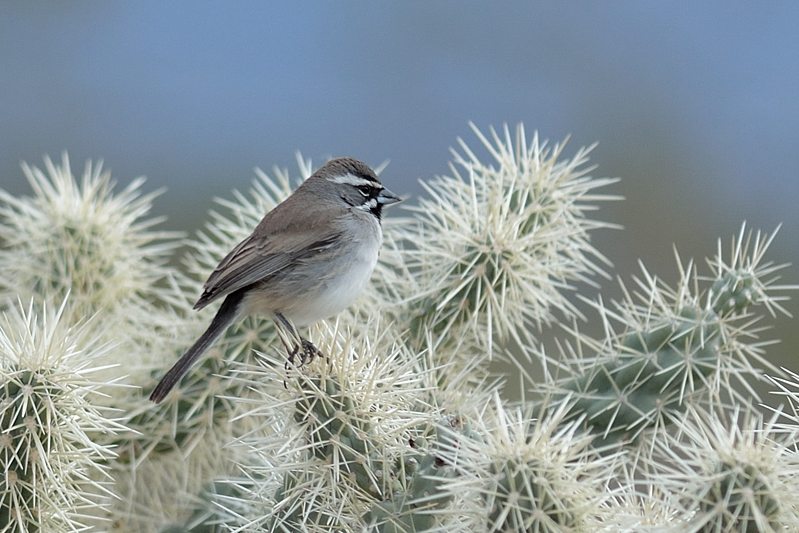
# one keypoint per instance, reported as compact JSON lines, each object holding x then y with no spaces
{"x":365,"y":190}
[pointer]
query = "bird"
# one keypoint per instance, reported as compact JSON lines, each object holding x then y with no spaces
{"x":306,"y":260}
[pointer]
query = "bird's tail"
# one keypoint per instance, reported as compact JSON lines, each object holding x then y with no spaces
{"x":219,"y":324}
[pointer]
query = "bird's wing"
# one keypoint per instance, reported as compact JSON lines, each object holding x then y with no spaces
{"x":260,"y":256}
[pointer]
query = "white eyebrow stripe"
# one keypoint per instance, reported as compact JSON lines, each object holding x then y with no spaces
{"x":355,"y":181}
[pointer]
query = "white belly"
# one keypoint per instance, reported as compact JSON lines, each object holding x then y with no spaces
{"x":321,"y":292}
{"x":339,"y":292}
{"x":313,"y":291}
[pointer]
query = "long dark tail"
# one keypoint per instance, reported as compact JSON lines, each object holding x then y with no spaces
{"x":219,"y":324}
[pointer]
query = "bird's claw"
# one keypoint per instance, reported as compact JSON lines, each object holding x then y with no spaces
{"x":307,"y":352}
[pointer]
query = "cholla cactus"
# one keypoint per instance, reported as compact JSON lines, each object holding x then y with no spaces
{"x":82,"y":239}
{"x":643,"y":510}
{"x":52,"y":471}
{"x":731,"y":473}
{"x":681,"y":347}
{"x":535,"y":473}
{"x":335,"y":439}
{"x":497,"y":247}
{"x":402,"y":427}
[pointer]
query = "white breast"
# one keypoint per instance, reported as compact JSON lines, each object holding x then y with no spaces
{"x":345,"y":278}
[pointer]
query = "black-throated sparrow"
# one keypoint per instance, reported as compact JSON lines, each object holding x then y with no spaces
{"x":307,"y":259}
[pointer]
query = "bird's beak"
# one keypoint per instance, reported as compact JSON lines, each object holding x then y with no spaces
{"x":387,"y":197}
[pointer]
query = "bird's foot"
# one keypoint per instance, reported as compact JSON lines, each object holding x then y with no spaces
{"x":306,"y":351}
{"x":309,"y":352}
{"x":291,"y":354}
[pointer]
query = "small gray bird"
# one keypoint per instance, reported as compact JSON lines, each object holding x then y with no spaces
{"x":307,"y":259}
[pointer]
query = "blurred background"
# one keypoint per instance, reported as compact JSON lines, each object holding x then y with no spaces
{"x":694,"y":106}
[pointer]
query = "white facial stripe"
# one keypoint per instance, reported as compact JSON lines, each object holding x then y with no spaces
{"x":349,"y":179}
{"x":368,"y":205}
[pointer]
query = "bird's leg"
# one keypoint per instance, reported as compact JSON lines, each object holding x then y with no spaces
{"x":309,"y":351}
{"x":287,"y":335}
